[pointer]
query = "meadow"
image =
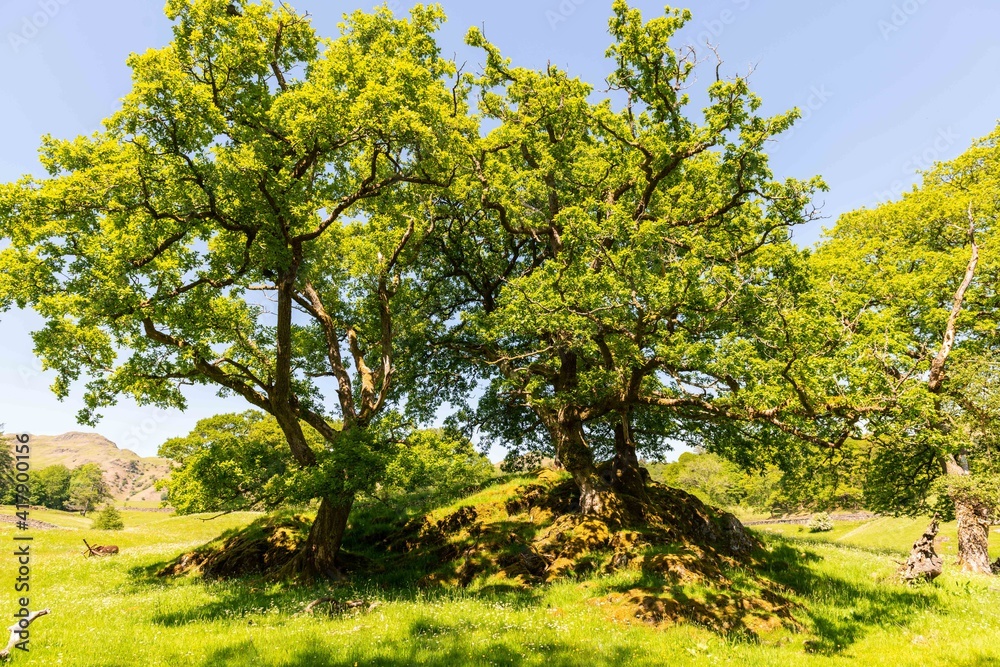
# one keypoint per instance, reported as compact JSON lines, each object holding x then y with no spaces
{"x":115,"y":611}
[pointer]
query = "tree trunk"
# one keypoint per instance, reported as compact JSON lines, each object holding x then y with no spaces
{"x":627,"y":475}
{"x":974,"y":522}
{"x":576,"y":457}
{"x":600,"y":494}
{"x":923,"y":563}
{"x":318,"y":557}
{"x":973,"y":536}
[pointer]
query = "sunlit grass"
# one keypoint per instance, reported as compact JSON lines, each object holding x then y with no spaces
{"x":114,"y":611}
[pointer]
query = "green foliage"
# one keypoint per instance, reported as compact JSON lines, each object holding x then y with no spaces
{"x":251,"y":161}
{"x":109,"y":518}
{"x":228,"y":462}
{"x":820,"y":523}
{"x":612,"y":264}
{"x":50,"y":486}
{"x":438,"y":460}
{"x":86,"y":487}
{"x":235,"y":462}
{"x":813,"y":485}
{"x":907,"y":294}
{"x":980,"y":490}
{"x":708,"y":476}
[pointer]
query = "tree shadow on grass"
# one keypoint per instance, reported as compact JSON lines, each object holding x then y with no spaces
{"x":784,"y":588}
{"x":448,"y":649}
{"x":250,"y":596}
{"x":869,"y":605}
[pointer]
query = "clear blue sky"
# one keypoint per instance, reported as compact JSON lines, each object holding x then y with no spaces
{"x":888,"y":86}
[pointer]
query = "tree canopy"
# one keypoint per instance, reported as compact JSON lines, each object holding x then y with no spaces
{"x":344,"y":234}
{"x":230,"y":225}
{"x":609,"y":261}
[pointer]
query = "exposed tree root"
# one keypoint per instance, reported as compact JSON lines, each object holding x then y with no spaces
{"x":923,"y":564}
{"x":266,"y":546}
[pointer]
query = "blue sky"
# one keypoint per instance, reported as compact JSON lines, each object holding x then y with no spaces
{"x":886,"y":87}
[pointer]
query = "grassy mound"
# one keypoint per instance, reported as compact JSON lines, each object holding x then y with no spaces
{"x":262,"y":547}
{"x":680,"y":560}
{"x":675,"y":560}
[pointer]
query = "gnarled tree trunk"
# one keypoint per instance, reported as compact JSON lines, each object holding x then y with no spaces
{"x":575,"y":455}
{"x":973,"y":536}
{"x":606,"y":490}
{"x":627,"y":475}
{"x":974,"y":520}
{"x":923,"y":563}
{"x":318,"y":557}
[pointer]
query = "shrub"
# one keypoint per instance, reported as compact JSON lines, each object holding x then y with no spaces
{"x":820,"y":523}
{"x":109,"y":518}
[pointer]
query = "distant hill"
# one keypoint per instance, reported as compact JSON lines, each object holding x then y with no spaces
{"x":128,"y":475}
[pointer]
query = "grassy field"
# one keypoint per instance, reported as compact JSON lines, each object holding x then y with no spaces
{"x":116,"y":612}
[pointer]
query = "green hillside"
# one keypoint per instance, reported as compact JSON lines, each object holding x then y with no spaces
{"x":128,"y":475}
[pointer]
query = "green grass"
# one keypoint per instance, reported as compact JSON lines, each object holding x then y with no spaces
{"x":880,"y":535}
{"x":115,"y":612}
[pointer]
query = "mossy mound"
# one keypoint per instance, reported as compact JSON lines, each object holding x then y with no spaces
{"x":671,"y":560}
{"x":263,"y":547}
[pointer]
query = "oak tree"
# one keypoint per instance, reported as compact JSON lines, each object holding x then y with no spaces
{"x":604,"y":253}
{"x":246,"y":220}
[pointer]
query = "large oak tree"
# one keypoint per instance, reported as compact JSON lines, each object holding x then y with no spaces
{"x":909,"y":291}
{"x":247,"y":220}
{"x":606,"y":255}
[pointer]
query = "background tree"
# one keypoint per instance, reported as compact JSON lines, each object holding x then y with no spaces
{"x":87,"y":488}
{"x":235,"y":462}
{"x":109,"y":518}
{"x":910,"y":287}
{"x":437,"y":461}
{"x":604,"y":259}
{"x":231,"y":462}
{"x":247,"y":220}
{"x":50,"y":486}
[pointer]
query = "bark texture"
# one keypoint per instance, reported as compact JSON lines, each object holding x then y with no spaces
{"x":627,"y":475}
{"x":924,"y":563}
{"x":974,"y":520}
{"x":973,"y":536}
{"x":318,"y":557}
